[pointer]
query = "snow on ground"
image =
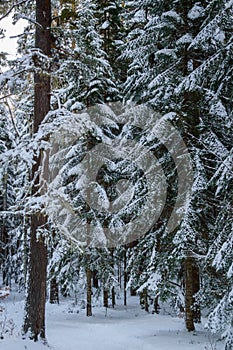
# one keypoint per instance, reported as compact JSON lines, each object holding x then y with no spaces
{"x":117,"y":329}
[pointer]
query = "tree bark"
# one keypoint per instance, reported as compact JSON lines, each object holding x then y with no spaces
{"x":144,"y":300}
{"x":156,"y":305}
{"x":105,"y":296}
{"x":35,"y":303}
{"x":95,"y":279}
{"x":113,"y":297}
{"x":113,"y":294}
{"x":196,"y":288}
{"x":89,"y":307}
{"x":125,"y":277}
{"x":54,"y":292}
{"x":191,"y":276}
{"x":133,"y":292}
{"x":4,"y":251}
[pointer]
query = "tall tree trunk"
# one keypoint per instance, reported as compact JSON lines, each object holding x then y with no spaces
{"x":95,"y":279}
{"x":113,"y":297}
{"x":26,"y":224}
{"x":35,"y":303}
{"x":54,"y":291}
{"x":196,"y":288}
{"x":89,"y":292}
{"x":4,"y":234}
{"x":125,"y":277}
{"x":105,"y":298}
{"x":191,"y":288}
{"x":189,"y":294}
{"x":88,"y":252}
{"x":113,"y":294}
{"x":54,"y":288}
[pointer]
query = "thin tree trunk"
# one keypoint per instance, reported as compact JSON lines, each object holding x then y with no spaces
{"x":113,"y":294}
{"x":4,"y":235}
{"x":113,"y":297}
{"x":54,"y":288}
{"x":119,"y":276}
{"x":125,"y":278}
{"x":105,"y":296}
{"x":156,"y":305}
{"x":189,"y":292}
{"x":144,"y":300}
{"x":95,"y":279}
{"x":196,"y":288}
{"x":26,"y":224}
{"x":54,"y":292}
{"x":35,"y":303}
{"x":89,"y":307}
{"x":88,"y":270}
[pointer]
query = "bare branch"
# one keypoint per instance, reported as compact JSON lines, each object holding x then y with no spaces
{"x":175,"y":284}
{"x":3,"y":97}
{"x":12,"y":117}
{"x":12,"y":8}
{"x":31,"y":20}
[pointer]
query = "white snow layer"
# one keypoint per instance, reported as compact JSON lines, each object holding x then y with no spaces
{"x":117,"y":329}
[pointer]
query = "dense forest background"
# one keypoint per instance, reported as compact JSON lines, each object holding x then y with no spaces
{"x":174,"y":57}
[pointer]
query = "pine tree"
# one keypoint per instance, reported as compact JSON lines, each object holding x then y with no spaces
{"x":220,"y":255}
{"x":35,"y":305}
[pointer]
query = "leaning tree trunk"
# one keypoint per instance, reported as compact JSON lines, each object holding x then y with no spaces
{"x":35,"y":303}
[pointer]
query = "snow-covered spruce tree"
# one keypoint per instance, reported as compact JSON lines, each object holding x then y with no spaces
{"x":111,"y":26}
{"x":220,"y":256}
{"x":176,"y":53}
{"x":84,"y":73}
{"x":213,"y":80}
{"x":218,"y":99}
{"x":75,"y":206}
{"x":156,"y":69}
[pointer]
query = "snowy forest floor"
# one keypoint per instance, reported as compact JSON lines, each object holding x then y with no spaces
{"x":115,"y":329}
